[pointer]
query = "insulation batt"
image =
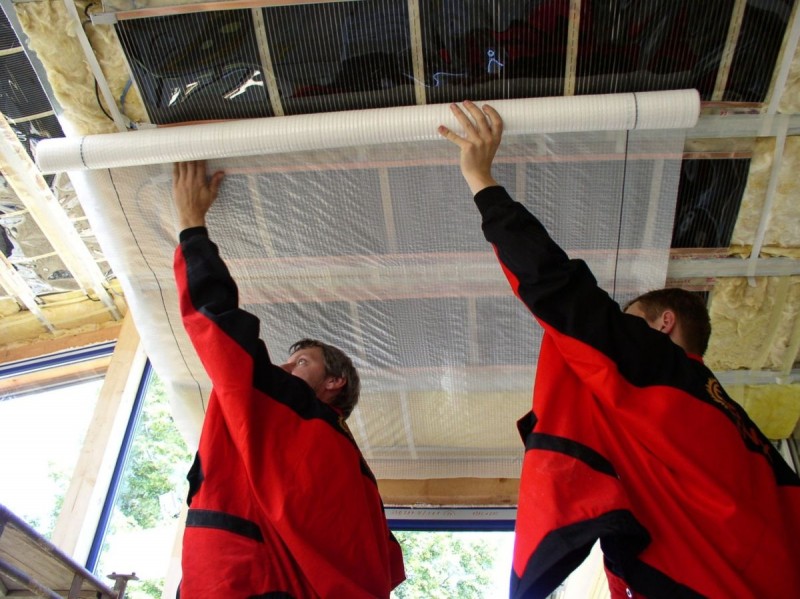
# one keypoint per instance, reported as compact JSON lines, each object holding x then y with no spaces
{"x":784,"y":224}
{"x":51,"y":36}
{"x":783,"y":229}
{"x":790,"y":100}
{"x":109,"y":54}
{"x":741,"y":323}
{"x":754,"y":192}
{"x":773,"y":407}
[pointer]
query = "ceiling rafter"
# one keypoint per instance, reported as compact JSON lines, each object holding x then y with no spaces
{"x":729,"y":50}
{"x":573,"y":34}
{"x":417,"y":53}
{"x":38,"y":198}
{"x":270,"y":79}
{"x":16,"y":286}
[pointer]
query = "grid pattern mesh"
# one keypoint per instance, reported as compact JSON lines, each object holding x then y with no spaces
{"x":375,"y":53}
{"x":386,"y":260}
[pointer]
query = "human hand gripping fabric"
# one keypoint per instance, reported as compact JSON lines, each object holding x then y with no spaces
{"x":194,"y":192}
{"x":483,"y":131}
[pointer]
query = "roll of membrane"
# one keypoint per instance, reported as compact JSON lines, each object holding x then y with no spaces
{"x":609,"y":112}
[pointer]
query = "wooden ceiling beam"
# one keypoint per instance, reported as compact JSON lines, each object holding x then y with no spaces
{"x":417,"y":52}
{"x":67,"y":341}
{"x":450,"y":491}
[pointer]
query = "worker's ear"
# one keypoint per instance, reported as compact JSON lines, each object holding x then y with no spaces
{"x":332,"y":383}
{"x":668,"y":321}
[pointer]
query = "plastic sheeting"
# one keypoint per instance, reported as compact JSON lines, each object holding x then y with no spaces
{"x":378,"y":250}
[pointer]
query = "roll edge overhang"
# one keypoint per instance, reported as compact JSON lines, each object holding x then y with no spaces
{"x":678,"y":109}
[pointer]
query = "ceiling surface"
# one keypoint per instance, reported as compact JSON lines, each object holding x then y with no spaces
{"x":731,"y":230}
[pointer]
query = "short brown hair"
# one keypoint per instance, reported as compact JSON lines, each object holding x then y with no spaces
{"x":338,"y":364}
{"x":690,"y":310}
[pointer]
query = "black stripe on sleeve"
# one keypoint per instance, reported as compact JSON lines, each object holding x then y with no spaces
{"x":365,"y":470}
{"x":579,"y":451}
{"x":645,"y":579}
{"x":562,"y":550}
{"x":222,"y":521}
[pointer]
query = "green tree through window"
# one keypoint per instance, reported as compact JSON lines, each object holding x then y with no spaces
{"x":149,"y":501}
{"x":446,"y":565}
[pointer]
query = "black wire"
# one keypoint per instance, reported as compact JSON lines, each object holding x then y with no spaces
{"x":99,"y":103}
{"x":86,"y":11}
{"x":621,"y":214}
{"x":96,"y":85}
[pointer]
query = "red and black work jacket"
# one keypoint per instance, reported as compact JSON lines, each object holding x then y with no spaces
{"x":635,"y":443}
{"x":282,"y":503}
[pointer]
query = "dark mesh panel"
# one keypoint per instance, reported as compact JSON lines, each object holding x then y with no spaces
{"x":199,"y":66}
{"x":341,"y":56}
{"x":657,"y":45}
{"x":757,"y":49}
{"x":709,"y":197}
{"x":504,"y":49}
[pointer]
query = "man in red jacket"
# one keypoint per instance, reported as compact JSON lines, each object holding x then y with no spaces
{"x":282,"y":503}
{"x":631,"y":439}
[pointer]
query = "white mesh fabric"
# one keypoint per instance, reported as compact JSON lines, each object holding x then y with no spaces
{"x":378,"y":250}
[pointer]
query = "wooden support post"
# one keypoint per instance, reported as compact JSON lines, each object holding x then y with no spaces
{"x":83,"y":502}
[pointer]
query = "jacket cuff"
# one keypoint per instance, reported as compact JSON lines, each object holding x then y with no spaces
{"x":490,"y":196}
{"x":192,"y":232}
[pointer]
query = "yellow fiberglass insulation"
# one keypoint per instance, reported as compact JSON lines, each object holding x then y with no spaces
{"x":51,"y":35}
{"x":784,"y":224}
{"x":754,"y":192}
{"x":754,"y":327}
{"x":783,"y":228}
{"x":111,"y":57}
{"x":790,"y":99}
{"x":774,"y":408}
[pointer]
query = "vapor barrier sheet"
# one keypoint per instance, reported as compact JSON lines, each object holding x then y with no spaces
{"x":378,"y":250}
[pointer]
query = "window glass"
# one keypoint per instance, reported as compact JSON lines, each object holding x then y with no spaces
{"x":464,"y":564}
{"x":40,"y":441}
{"x":143,"y":524}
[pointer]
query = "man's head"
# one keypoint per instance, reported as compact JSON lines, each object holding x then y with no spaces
{"x":679,"y":313}
{"x":328,"y":371}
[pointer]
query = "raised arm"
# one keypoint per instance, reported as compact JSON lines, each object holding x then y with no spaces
{"x":209,"y":299}
{"x":531,"y":260}
{"x":301,"y":462}
{"x":561,"y":293}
